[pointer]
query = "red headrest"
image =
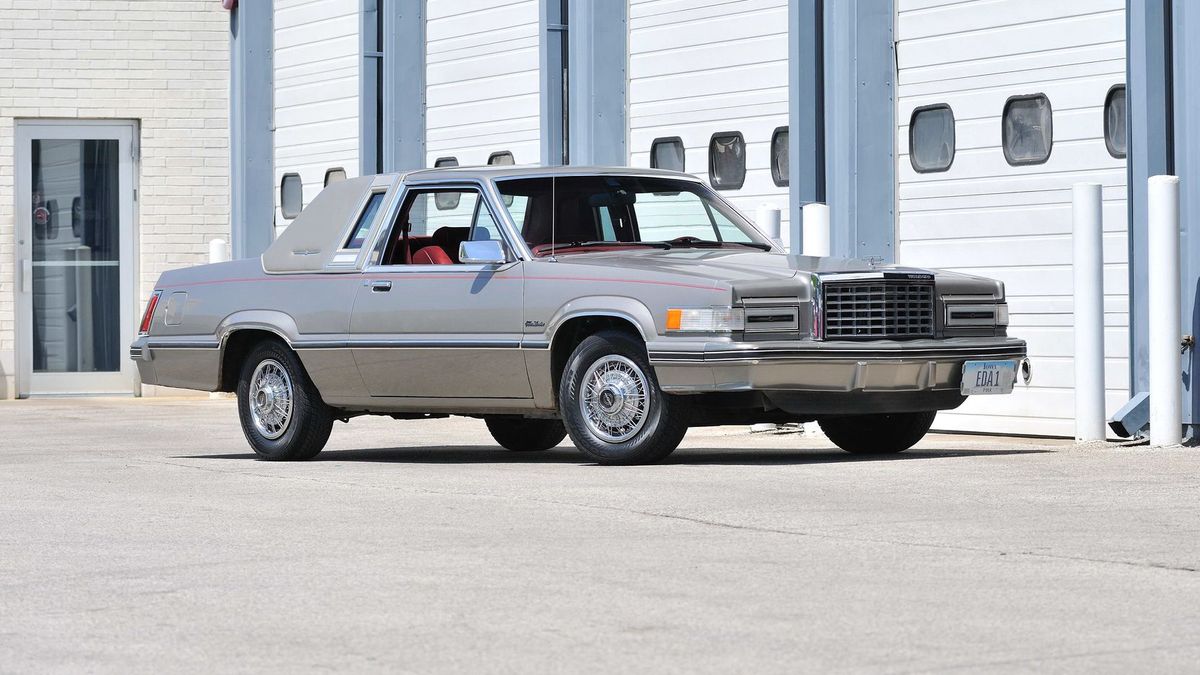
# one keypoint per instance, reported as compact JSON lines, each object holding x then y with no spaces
{"x":431,"y":255}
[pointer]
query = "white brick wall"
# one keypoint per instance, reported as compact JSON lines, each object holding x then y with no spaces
{"x":164,"y":63}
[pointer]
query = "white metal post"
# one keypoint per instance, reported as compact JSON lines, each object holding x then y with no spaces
{"x":816,"y":230}
{"x":1088,"y":264}
{"x":1166,"y":390}
{"x":768,"y":219}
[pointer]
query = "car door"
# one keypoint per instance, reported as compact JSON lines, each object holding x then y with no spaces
{"x":428,"y":326}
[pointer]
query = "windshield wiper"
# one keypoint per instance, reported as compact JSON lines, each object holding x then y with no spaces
{"x":686,"y":242}
{"x":585,"y":244}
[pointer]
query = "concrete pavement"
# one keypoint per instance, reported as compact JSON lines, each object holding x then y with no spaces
{"x":141,"y":536}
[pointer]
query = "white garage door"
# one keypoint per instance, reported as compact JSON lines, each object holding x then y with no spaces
{"x":703,"y":67}
{"x":985,"y":216}
{"x":481,"y":81}
{"x":316,"y":91}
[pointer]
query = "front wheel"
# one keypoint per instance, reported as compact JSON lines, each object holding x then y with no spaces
{"x":612,"y":405}
{"x":877,"y":434}
{"x":282,"y":414}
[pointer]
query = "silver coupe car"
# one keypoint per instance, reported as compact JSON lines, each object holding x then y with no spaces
{"x":619,"y":306}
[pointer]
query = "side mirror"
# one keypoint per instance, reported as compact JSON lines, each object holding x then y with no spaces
{"x":488,"y":252}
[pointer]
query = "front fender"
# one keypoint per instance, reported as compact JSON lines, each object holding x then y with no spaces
{"x":614,"y":306}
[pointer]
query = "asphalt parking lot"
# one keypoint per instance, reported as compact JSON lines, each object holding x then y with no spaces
{"x":141,"y":536}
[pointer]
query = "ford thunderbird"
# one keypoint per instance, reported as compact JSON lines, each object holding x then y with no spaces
{"x":617,"y":306}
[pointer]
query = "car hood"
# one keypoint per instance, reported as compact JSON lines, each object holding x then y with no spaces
{"x":761,"y":272}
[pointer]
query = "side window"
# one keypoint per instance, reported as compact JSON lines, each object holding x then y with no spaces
{"x":1115,"y":116}
{"x":429,"y":230}
{"x":365,"y":220}
{"x":1027,"y":129}
{"x":727,"y":160}
{"x":780,"y":168}
{"x":931,"y":138}
{"x":667,"y":153}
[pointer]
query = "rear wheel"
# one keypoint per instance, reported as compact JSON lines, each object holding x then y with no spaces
{"x":522,"y":434}
{"x":612,"y":405}
{"x":877,"y":434}
{"x":281,"y":411}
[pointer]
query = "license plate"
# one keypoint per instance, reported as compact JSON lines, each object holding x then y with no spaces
{"x":988,"y":377}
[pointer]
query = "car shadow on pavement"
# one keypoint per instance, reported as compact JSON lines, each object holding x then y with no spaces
{"x":568,"y":455}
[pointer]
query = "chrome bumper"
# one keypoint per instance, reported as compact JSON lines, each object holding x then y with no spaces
{"x":817,"y":366}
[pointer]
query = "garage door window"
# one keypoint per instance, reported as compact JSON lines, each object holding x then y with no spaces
{"x":779,"y":157}
{"x":667,"y":153}
{"x":445,"y":161}
{"x":727,"y":160}
{"x":1028,"y":129}
{"x":504,"y":158}
{"x":1114,"y":122}
{"x":931,"y":138}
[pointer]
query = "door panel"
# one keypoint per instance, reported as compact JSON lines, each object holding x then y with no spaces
{"x":441,"y":331}
{"x":75,"y":243}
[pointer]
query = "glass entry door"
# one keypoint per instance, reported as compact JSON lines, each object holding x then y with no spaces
{"x":75,"y":235}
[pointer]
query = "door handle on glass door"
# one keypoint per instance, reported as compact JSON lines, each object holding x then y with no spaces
{"x":381,"y":286}
{"x":27,"y":276}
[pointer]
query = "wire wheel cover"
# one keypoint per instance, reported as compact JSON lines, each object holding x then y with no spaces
{"x":271,"y":399}
{"x":614,"y":398}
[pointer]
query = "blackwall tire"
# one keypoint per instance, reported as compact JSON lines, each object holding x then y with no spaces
{"x":619,"y":415}
{"x":877,"y":434}
{"x":521,"y":434}
{"x":281,"y":411}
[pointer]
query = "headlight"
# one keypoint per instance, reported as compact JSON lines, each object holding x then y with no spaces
{"x":705,"y":319}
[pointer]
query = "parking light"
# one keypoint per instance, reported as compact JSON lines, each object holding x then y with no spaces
{"x":705,"y":319}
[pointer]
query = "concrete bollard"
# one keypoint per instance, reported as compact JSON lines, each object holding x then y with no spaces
{"x":768,"y":218}
{"x":816,"y":230}
{"x":1166,"y":365}
{"x":1088,"y":266}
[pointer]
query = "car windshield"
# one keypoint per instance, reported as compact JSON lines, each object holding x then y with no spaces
{"x":611,"y":211}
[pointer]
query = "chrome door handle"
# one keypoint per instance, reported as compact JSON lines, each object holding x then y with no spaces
{"x":381,"y":286}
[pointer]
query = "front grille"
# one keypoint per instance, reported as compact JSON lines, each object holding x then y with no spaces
{"x":885,"y":309}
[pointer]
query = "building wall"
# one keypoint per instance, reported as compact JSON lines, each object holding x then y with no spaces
{"x":1013,"y":223}
{"x":317,"y":61}
{"x":163,"y":63}
{"x":697,"y":67}
{"x":482,"y":80}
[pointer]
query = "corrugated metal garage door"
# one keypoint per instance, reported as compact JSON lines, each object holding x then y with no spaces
{"x":482,"y":80}
{"x":698,"y":67}
{"x":987,"y":217}
{"x":316,"y":90}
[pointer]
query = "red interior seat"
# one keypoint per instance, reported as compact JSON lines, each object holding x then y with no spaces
{"x":431,"y":255}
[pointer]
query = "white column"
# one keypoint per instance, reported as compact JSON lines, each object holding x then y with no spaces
{"x":816,"y":230}
{"x":768,"y":219}
{"x":1166,"y":390}
{"x":1088,"y":265}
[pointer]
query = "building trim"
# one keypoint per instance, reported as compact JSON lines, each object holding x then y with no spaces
{"x":552,"y":62}
{"x":860,"y":128}
{"x":806,"y":111}
{"x":1150,"y":152}
{"x":404,"y":85}
{"x":251,"y":128}
{"x":597,"y":83}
